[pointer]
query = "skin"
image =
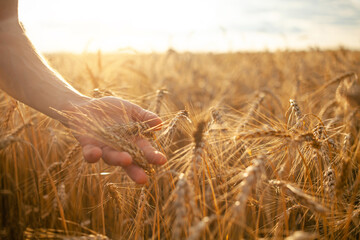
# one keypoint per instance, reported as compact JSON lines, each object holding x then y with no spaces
{"x":25,"y":75}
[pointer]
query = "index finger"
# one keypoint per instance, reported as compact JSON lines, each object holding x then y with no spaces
{"x":150,"y":118}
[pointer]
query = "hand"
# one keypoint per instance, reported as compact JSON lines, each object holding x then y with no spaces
{"x":121,"y":112}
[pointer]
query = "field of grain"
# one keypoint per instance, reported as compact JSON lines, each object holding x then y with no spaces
{"x":259,"y":146}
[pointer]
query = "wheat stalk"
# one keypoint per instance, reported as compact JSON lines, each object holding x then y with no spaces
{"x":196,"y":230}
{"x":345,"y":168}
{"x":198,"y":152}
{"x":251,"y":176}
{"x":184,"y":204}
{"x":116,"y":137}
{"x":296,"y":110}
{"x":329,"y":182}
{"x":114,"y":193}
{"x":169,"y":133}
{"x":159,"y":97}
{"x":300,"y":196}
{"x":63,"y":196}
{"x":251,"y":113}
{"x":70,"y":155}
{"x":6,"y":141}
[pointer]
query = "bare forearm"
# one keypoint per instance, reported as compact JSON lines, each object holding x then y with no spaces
{"x":8,"y":9}
{"x":26,"y":76}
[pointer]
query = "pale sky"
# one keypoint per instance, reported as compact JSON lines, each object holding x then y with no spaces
{"x":190,"y":25}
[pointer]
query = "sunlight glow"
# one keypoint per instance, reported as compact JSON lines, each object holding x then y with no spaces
{"x":228,"y":25}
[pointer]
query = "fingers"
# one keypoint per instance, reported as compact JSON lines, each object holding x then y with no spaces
{"x":123,"y":159}
{"x":116,"y":158}
{"x":92,"y":153}
{"x":136,"y":173}
{"x":151,"y":154}
{"x":150,"y":118}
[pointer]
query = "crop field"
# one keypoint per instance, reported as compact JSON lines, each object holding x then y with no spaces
{"x":261,"y":145}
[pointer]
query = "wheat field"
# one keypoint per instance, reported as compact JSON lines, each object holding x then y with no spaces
{"x":259,"y":146}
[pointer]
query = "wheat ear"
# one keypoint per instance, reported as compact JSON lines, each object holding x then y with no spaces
{"x":300,"y":196}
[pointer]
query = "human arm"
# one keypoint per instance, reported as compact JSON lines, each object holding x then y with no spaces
{"x":25,"y":75}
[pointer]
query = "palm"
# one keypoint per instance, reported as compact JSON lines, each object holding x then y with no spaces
{"x":120,"y":110}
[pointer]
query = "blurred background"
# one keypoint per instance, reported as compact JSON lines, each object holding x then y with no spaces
{"x":188,"y":25}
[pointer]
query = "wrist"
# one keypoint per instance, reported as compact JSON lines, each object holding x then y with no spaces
{"x":72,"y":104}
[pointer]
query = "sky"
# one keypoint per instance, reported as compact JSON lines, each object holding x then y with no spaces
{"x":190,"y":25}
